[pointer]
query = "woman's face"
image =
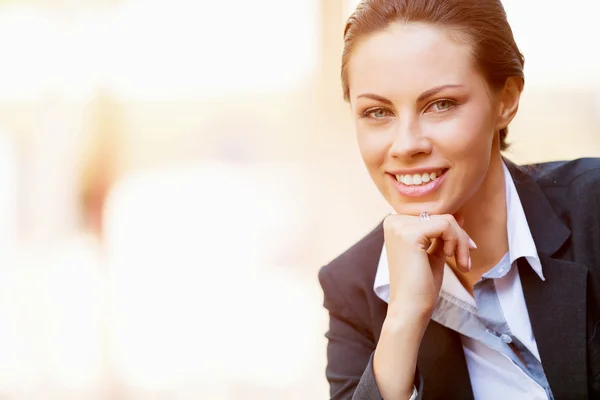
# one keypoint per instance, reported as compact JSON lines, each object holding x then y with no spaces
{"x":426,"y":120}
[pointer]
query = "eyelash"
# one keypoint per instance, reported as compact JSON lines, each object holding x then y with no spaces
{"x":366,"y":114}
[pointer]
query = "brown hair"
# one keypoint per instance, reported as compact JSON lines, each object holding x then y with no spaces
{"x":483,"y":24}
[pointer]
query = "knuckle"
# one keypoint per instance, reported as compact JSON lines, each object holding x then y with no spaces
{"x":392,"y":225}
{"x":449,"y":218}
{"x":445,"y":224}
{"x":395,"y":226}
{"x":452,"y":240}
{"x":389,"y":222}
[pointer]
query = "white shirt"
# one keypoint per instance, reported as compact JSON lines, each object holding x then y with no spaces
{"x":492,"y":374}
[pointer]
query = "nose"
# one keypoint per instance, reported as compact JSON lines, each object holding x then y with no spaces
{"x":409,"y":142}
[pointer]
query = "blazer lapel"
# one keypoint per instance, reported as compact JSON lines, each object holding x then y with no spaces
{"x":557,"y":311}
{"x":442,"y":366}
{"x":556,"y":306}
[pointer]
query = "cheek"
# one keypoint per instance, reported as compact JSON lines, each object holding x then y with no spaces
{"x":372,"y":148}
{"x":470,"y":129}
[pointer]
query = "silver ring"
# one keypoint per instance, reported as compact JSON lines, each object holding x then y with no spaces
{"x":424,"y":216}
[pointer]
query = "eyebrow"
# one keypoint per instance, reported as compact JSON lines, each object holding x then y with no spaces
{"x":375,"y":97}
{"x":422,"y":96}
{"x":428,"y":93}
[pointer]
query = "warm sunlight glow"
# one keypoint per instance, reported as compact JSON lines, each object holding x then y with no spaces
{"x":199,"y":295}
{"x":158,"y":50}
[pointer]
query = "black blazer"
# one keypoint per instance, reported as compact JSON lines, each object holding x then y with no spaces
{"x":562,"y":205}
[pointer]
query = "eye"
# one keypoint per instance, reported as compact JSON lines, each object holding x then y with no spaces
{"x":441,"y":105}
{"x":377,"y":113}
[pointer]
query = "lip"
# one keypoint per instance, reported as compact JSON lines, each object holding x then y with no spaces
{"x":420,"y":190}
{"x":413,"y":171}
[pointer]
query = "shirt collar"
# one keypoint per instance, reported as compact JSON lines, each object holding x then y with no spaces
{"x":520,"y":241}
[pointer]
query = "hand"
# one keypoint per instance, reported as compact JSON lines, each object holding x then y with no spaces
{"x":417,"y":251}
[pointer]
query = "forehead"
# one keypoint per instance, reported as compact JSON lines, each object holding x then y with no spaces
{"x":411,"y":58}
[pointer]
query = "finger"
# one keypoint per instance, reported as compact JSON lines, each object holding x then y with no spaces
{"x":462,"y":254}
{"x":423,"y":233}
{"x":460,"y":219}
{"x":436,"y":252}
{"x":437,"y":249}
{"x":440,"y":228}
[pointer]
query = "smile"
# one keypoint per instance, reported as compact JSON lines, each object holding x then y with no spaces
{"x":420,"y":179}
{"x":419,"y":184}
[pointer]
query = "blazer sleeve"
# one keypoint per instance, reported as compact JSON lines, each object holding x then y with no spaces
{"x":350,"y":348}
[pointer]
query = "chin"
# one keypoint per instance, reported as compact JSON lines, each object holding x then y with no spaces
{"x":416,"y":208}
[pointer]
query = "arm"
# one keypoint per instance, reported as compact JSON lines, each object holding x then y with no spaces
{"x":416,"y":251}
{"x":395,"y":358}
{"x":350,"y":351}
{"x":349,"y":348}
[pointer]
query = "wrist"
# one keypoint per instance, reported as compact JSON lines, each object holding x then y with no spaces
{"x":395,"y":357}
{"x":402,"y":317}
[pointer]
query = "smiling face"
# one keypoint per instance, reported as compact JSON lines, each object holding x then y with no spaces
{"x":426,"y":120}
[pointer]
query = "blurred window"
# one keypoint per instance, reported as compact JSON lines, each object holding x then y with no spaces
{"x":160,"y":50}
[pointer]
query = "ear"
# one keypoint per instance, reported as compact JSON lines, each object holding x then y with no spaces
{"x":508,"y":103}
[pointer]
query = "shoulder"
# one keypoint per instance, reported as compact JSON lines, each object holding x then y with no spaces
{"x":359,"y":260}
{"x":351,"y":274}
{"x":578,"y":173}
{"x":572,"y":187}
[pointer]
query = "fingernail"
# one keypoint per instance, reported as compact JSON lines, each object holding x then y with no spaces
{"x":469,"y":264}
{"x":472,"y":243}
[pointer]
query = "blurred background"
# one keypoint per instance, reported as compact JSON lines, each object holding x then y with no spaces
{"x":174,"y":173}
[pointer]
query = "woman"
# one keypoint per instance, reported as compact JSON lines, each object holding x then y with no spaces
{"x":484,"y":283}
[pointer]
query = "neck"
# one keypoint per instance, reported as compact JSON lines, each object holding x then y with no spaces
{"x":485,"y":219}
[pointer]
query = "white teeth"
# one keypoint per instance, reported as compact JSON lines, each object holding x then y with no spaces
{"x":418,"y":179}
